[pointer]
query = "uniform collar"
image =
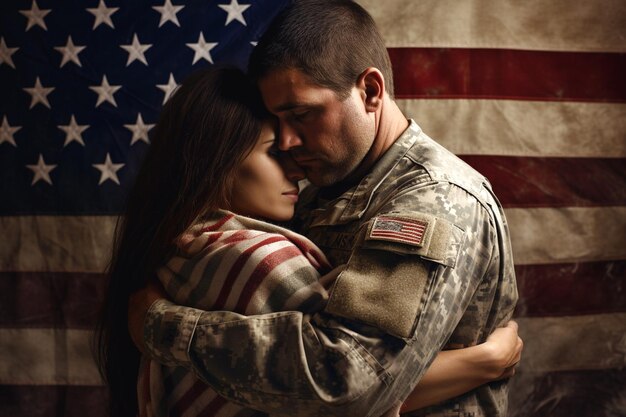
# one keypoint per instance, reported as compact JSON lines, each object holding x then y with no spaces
{"x":352,"y":204}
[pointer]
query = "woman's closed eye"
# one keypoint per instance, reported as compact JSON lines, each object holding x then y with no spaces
{"x":273,"y":150}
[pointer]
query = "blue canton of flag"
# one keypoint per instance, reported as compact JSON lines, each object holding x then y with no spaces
{"x":82,"y":84}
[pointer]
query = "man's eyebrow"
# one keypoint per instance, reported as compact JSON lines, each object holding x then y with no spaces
{"x":287,"y":106}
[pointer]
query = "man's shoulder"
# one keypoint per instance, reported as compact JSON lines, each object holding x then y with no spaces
{"x":428,"y":161}
{"x":443,"y":165}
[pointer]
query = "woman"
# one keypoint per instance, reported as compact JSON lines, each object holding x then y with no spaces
{"x":213,"y":154}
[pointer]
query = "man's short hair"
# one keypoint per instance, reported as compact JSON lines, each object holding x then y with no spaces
{"x":331,"y":41}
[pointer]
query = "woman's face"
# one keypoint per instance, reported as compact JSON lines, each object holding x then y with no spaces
{"x":262,"y":189}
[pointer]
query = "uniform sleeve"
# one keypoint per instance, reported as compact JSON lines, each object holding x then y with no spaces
{"x":391,"y":311}
{"x":279,"y":363}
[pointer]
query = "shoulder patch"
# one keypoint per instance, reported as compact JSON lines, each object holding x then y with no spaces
{"x":398,"y":229}
{"x":422,"y":234}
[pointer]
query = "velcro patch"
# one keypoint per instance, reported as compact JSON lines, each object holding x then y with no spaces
{"x":398,"y":229}
{"x":413,"y":233}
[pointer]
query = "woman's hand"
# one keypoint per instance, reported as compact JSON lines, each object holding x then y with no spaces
{"x":504,"y":347}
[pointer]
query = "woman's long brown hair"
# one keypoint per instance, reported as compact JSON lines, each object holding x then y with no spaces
{"x":204,"y":131}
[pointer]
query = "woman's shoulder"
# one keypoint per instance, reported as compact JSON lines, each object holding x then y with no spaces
{"x":233,"y":232}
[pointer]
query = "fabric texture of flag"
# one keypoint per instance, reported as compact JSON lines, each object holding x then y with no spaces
{"x":531,"y":94}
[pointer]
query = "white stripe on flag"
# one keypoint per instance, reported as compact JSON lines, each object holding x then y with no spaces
{"x":550,"y":25}
{"x":56,"y":243}
{"x":522,"y":128}
{"x":539,"y":236}
{"x":570,"y":234}
{"x":47,"y":357}
{"x":573,"y":343}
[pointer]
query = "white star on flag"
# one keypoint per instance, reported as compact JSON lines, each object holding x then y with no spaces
{"x":108,"y":170}
{"x":73,"y":132}
{"x":168,"y":13}
{"x":235,"y":11}
{"x":70,"y":52}
{"x":41,"y":171}
{"x":136,"y":51}
{"x":140,"y":130}
{"x":5,"y":54}
{"x":7,"y":131}
{"x":168,"y":88}
{"x":202,"y":49}
{"x":35,"y":16}
{"x":102,"y":14}
{"x":105,"y":92}
{"x":39,"y":94}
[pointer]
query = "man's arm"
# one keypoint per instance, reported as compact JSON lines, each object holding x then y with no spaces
{"x":288,"y":361}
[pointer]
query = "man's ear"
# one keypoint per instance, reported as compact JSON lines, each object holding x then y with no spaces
{"x":372,"y":85}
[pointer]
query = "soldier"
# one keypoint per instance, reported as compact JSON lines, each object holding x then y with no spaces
{"x":424,"y":240}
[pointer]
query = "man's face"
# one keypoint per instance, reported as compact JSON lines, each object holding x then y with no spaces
{"x":327,"y":137}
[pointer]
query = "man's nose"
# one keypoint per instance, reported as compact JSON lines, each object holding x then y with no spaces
{"x":288,"y":138}
{"x":292,"y":171}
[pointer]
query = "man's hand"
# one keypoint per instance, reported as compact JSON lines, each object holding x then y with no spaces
{"x":138,"y":305}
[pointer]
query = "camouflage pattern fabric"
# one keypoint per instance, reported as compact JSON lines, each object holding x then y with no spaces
{"x":445,"y":281}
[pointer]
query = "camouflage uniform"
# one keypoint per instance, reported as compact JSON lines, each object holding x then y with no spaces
{"x":429,"y":267}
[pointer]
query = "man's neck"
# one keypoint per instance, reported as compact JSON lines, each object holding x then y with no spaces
{"x":391,"y":124}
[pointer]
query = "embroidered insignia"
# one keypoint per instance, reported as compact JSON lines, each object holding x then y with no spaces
{"x":399,"y":229}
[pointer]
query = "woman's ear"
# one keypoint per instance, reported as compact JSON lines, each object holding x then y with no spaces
{"x":372,"y":85}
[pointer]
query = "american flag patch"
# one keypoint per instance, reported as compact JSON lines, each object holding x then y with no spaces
{"x":399,"y":229}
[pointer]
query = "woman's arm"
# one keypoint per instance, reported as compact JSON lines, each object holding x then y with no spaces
{"x":455,"y":372}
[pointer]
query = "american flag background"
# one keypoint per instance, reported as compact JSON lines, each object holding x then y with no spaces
{"x":532,"y":94}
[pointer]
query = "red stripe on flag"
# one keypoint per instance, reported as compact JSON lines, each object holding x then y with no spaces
{"x":545,"y":290}
{"x":213,"y":407}
{"x":261,"y":272}
{"x":571,"y":289}
{"x":188,"y":398}
{"x":233,"y":274}
{"x":45,"y":401}
{"x":567,"y":394}
{"x":554,"y":182}
{"x":51,"y":299}
{"x":506,"y":73}
{"x":212,"y":238}
{"x":218,"y":224}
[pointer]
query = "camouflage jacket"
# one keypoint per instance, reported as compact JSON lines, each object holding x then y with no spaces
{"x":429,"y":267}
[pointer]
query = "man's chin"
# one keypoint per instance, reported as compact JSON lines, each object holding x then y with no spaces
{"x":324,"y":178}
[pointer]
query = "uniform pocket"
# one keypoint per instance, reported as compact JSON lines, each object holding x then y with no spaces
{"x":385,"y":279}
